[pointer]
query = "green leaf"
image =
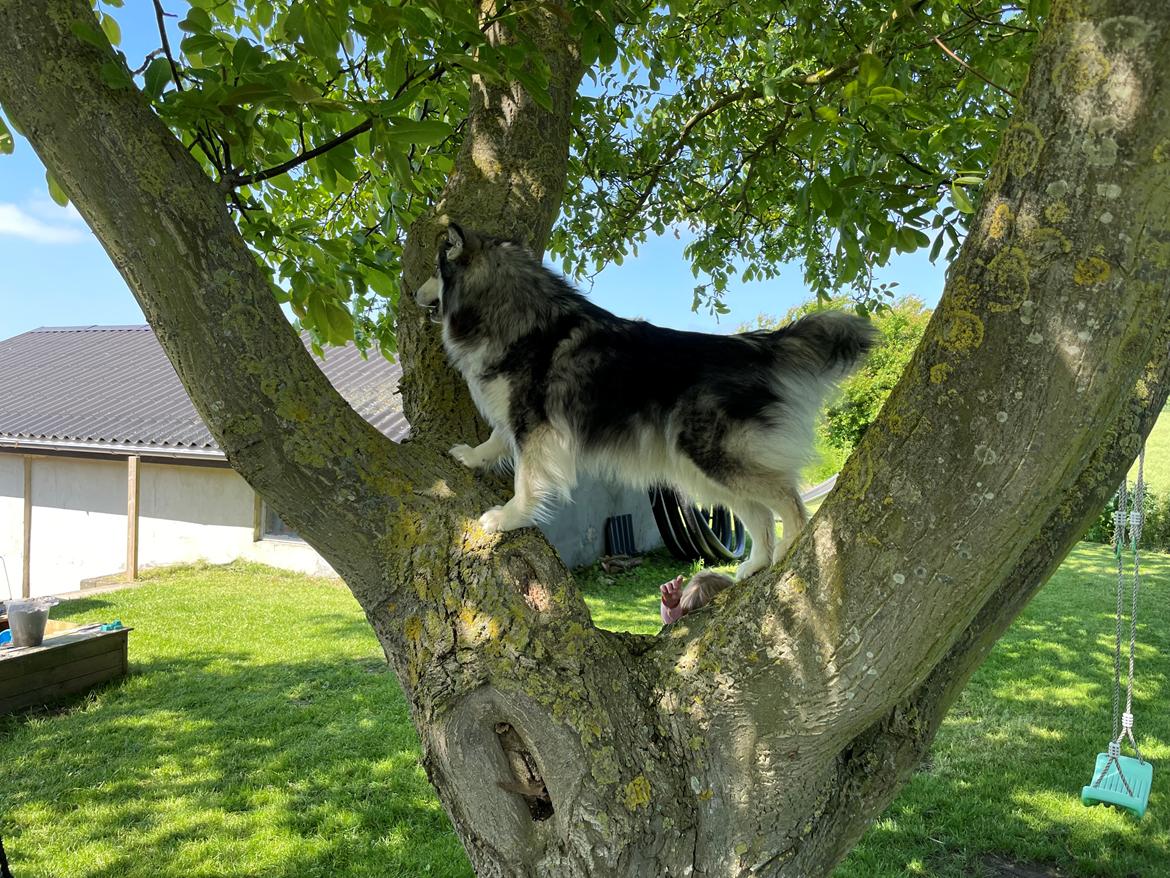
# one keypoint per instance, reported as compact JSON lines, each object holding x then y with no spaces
{"x":196,"y":22}
{"x":828,"y":114}
{"x":960,"y":199}
{"x":115,"y":75}
{"x":536,"y":87}
{"x":822,"y":195}
{"x":55,"y":190}
{"x":249,"y":93}
{"x":7,"y":143}
{"x":156,"y":77}
{"x":85,"y":31}
{"x":869,"y":69}
{"x":111,"y":30}
{"x":302,"y":92}
{"x":934,"y":250}
{"x":969,"y":181}
{"x":424,"y":133}
{"x":886,"y":94}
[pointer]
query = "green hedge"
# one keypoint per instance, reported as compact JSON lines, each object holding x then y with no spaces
{"x":1155,"y":527}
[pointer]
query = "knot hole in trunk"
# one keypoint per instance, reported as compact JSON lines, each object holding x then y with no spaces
{"x":526,"y":780}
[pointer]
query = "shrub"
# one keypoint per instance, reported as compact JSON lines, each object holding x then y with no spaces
{"x":1155,"y":526}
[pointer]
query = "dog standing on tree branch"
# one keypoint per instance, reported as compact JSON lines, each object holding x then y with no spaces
{"x":567,"y":386}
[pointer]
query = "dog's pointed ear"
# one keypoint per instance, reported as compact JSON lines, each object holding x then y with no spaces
{"x":456,"y":241}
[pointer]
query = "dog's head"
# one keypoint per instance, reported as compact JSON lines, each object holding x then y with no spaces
{"x":470,"y":266}
{"x":458,"y":250}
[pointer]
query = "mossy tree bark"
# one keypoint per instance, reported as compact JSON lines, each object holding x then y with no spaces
{"x":762,"y":736}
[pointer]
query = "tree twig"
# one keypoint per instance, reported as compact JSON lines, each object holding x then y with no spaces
{"x":166,"y":44}
{"x":971,"y":69}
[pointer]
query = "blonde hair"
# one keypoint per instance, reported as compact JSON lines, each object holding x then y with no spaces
{"x":702,"y":588}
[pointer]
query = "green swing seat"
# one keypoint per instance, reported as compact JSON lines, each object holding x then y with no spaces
{"x":1111,"y":788}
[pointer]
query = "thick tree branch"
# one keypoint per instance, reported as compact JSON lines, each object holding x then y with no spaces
{"x":509,"y":174}
{"x":166,"y":228}
{"x":234,"y":181}
{"x":957,"y":503}
{"x":873,"y":766}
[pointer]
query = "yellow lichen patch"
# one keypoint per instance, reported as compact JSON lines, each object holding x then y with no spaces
{"x":706,"y":794}
{"x":1045,"y":243}
{"x":475,"y":627}
{"x":1161,"y":151}
{"x":1091,"y":271}
{"x":1007,"y":276}
{"x":1001,"y":221}
{"x":637,"y":793}
{"x":962,"y":292}
{"x":939,"y":372}
{"x":1082,"y":67}
{"x":293,"y":410}
{"x":1022,"y":145}
{"x":413,"y":628}
{"x":963,"y":331}
{"x":1056,"y":213}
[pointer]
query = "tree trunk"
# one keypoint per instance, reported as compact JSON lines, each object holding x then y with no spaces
{"x":759,"y":737}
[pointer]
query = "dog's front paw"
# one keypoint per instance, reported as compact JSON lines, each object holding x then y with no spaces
{"x":748,"y":568}
{"x":495,"y":520}
{"x":466,"y":455}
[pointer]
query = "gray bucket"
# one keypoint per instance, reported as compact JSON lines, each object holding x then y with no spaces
{"x":27,"y":618}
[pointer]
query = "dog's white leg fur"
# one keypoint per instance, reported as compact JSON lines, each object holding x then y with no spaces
{"x":545,"y":468}
{"x":794,"y":516}
{"x":487,"y":453}
{"x":761,"y":525}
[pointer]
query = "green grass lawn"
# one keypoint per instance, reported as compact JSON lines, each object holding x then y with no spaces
{"x":1157,"y":458}
{"x":260,"y":734}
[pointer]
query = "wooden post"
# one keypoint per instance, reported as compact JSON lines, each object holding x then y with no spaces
{"x":25,"y":581}
{"x":132,"y":464}
{"x":257,"y":517}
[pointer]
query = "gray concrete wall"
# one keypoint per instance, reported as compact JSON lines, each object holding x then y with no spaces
{"x":577,"y":529}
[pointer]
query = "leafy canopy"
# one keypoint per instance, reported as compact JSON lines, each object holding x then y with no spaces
{"x":900,"y":326}
{"x":835,"y":140}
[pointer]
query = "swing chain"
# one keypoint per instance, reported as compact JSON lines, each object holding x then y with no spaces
{"x":1130,"y":512}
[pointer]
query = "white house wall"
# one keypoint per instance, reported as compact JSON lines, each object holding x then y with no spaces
{"x":201,"y":513}
{"x":11,"y":522}
{"x":197,"y":513}
{"x":78,"y":522}
{"x":192,"y":513}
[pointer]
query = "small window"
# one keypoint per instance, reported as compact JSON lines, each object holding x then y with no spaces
{"x":275,"y":528}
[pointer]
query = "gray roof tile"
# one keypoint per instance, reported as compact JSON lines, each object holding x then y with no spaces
{"x":112,"y":386}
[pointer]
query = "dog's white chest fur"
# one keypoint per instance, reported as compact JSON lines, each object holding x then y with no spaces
{"x":491,"y":395}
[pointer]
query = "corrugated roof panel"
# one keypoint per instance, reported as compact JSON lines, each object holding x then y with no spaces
{"x":113,"y":385}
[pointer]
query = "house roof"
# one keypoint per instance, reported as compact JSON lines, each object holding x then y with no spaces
{"x":112,"y":389}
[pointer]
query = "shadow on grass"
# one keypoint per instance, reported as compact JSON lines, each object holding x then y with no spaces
{"x":213,"y":765}
{"x":1005,"y":773}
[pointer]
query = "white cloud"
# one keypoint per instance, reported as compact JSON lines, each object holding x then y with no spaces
{"x":19,"y":223}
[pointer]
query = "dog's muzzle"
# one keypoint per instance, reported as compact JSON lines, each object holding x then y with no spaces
{"x":428,"y":297}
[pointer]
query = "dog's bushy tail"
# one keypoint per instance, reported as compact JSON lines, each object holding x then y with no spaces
{"x":826,"y":345}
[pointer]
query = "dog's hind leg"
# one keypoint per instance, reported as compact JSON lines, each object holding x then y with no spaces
{"x":544,"y":469}
{"x":760,"y":523}
{"x":792,"y":513}
{"x":491,"y":451}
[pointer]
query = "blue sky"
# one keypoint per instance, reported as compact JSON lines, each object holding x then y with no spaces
{"x":55,"y":273}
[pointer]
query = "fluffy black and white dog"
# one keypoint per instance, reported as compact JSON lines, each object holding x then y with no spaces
{"x":566,"y":386}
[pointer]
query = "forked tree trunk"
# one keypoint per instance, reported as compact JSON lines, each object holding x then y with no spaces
{"x":762,"y":736}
